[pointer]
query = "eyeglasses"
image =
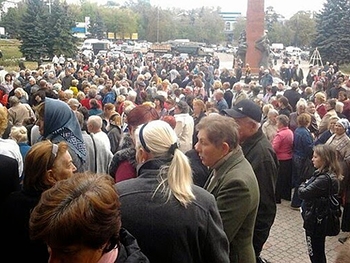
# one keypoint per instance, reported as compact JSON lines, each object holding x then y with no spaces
{"x":53,"y":156}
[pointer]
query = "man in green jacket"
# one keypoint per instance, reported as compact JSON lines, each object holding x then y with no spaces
{"x":232,"y":182}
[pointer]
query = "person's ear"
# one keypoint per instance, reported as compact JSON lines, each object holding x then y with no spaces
{"x":144,"y":156}
{"x":50,"y":177}
{"x":225,"y":148}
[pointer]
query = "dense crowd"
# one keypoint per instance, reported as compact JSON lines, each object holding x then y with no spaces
{"x":179,"y":137}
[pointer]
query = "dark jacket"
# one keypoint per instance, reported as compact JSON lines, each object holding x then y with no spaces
{"x":114,"y":136}
{"x":293,"y":97}
{"x":9,"y":179}
{"x":129,"y":251}
{"x":167,"y":231}
{"x":14,"y":224}
{"x":124,"y":157}
{"x":310,"y":192}
{"x":260,"y":154}
{"x":199,"y":170}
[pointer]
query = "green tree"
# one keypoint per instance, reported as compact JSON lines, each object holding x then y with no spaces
{"x":62,"y":39}
{"x":303,"y":26}
{"x":44,"y":33}
{"x":97,"y":27}
{"x":331,"y":38}
{"x":32,"y":30}
{"x":11,"y":20}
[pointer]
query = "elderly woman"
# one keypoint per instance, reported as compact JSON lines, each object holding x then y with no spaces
{"x":79,"y":220}
{"x":302,"y":153}
{"x":18,"y":111}
{"x":45,"y":164}
{"x":282,"y":143}
{"x":330,"y":107}
{"x":301,"y":107}
{"x":57,"y":123}
{"x":165,"y":188}
{"x":269,"y":127}
{"x":21,"y":95}
{"x":322,"y":138}
{"x":341,"y":142}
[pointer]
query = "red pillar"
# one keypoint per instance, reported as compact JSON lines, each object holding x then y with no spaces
{"x":254,"y":31}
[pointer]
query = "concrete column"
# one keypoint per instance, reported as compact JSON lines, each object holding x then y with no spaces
{"x":254,"y":30}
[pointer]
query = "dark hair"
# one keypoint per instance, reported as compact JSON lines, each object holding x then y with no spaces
{"x":94,"y":104}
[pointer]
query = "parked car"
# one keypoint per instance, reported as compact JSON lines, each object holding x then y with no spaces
{"x":167,"y":56}
{"x":115,"y":54}
{"x":102,"y":53}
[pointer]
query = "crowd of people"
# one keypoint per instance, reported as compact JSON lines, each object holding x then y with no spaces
{"x":101,"y":159}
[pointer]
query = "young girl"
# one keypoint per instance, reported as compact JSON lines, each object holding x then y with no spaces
{"x":326,"y":163}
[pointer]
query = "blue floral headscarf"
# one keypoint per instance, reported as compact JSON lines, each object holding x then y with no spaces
{"x":60,"y":121}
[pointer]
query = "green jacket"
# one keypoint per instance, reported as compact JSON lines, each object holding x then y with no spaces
{"x":237,"y":194}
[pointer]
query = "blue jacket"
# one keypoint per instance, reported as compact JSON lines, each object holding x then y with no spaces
{"x":303,"y":143}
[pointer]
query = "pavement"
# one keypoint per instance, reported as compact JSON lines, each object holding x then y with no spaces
{"x":286,"y":242}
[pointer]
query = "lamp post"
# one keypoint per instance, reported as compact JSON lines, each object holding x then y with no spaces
{"x":157,"y":24}
{"x":49,"y":4}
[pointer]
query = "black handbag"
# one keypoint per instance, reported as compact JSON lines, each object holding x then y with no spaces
{"x":328,"y":214}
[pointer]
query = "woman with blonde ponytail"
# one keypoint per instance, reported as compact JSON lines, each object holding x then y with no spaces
{"x":172,"y":219}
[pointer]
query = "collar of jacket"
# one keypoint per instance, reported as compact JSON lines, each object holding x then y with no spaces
{"x":252,"y":141}
{"x":152,"y":166}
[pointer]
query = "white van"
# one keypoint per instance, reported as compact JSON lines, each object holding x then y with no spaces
{"x":293,"y":51}
{"x":88,"y":43}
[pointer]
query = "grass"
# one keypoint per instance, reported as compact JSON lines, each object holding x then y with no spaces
{"x":12,"y":54}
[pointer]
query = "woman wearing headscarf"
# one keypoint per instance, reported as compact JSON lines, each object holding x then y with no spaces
{"x":341,"y":142}
{"x":57,"y":122}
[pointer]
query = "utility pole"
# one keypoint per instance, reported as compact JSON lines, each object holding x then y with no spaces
{"x":157,"y":24}
{"x":49,"y":4}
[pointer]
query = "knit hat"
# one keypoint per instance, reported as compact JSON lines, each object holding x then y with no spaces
{"x":344,"y":122}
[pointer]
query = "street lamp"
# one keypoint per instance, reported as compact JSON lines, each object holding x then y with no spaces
{"x":157,"y":24}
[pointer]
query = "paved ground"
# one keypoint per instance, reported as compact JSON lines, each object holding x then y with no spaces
{"x":286,"y":242}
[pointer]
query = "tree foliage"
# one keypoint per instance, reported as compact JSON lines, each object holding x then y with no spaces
{"x":332,"y":38}
{"x":10,"y":20}
{"x":46,"y":30}
{"x":32,"y":30}
{"x":302,"y":27}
